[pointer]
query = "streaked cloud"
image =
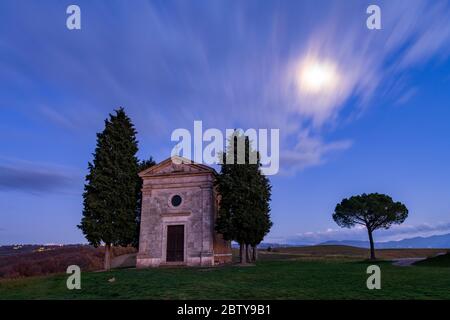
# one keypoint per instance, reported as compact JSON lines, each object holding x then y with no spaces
{"x":23,"y":176}
{"x":310,"y":151}
{"x":220,"y":63}
{"x":364,"y":63}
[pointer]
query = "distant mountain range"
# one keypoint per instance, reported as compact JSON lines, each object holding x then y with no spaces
{"x":438,"y":242}
{"x":432,"y":242}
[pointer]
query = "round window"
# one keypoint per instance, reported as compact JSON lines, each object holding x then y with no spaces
{"x":176,"y":200}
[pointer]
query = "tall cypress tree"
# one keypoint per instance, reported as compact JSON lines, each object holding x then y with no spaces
{"x":112,"y":191}
{"x":245,"y":196}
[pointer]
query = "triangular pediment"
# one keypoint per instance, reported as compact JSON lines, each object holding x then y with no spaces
{"x":176,"y":165}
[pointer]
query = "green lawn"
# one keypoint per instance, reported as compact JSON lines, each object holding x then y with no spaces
{"x":284,"y":279}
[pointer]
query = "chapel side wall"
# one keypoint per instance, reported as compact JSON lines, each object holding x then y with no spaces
{"x":222,"y":248}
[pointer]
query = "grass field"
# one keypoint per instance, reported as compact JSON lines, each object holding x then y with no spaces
{"x":276,"y":276}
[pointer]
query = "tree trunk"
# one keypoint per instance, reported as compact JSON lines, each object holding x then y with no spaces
{"x":372,"y":246}
{"x":242,"y":253}
{"x":107,"y":256}
{"x":247,"y":253}
{"x":255,"y":253}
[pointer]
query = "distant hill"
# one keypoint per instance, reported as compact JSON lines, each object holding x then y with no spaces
{"x":36,"y":260}
{"x":441,"y":241}
{"x":265,"y":245}
{"x":29,"y":248}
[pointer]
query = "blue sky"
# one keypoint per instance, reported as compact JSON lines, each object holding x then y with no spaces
{"x":384,"y":127}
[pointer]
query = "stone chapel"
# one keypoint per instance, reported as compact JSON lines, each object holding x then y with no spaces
{"x":179,"y":208}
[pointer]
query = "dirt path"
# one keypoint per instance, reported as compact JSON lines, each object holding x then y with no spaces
{"x":124,"y":261}
{"x":406,"y":262}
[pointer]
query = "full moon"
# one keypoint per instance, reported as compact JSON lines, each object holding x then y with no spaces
{"x":317,"y":76}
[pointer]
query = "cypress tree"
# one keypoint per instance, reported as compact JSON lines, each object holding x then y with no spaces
{"x":245,"y":196}
{"x":112,"y":190}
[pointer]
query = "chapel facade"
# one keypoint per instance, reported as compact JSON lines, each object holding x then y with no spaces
{"x":179,"y":210}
